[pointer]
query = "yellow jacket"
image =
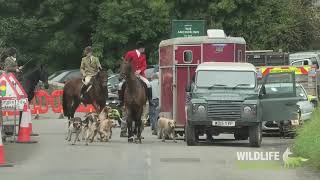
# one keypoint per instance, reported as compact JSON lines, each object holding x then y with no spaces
{"x":90,"y":67}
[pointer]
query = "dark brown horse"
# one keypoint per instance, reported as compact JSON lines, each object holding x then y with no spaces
{"x":134,"y":100}
{"x":96,"y":96}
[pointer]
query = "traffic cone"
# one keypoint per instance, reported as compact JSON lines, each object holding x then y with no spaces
{"x":24,"y":130}
{"x":30,"y":122}
{"x":2,"y":158}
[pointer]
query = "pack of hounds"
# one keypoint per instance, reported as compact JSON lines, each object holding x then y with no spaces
{"x":93,"y":124}
{"x":101,"y":124}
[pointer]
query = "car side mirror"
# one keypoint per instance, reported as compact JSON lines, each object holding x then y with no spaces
{"x":188,"y":88}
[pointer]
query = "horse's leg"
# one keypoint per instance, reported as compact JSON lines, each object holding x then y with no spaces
{"x":139,"y":124}
{"x":97,"y":107}
{"x":129,"y":125}
{"x":76,"y":102}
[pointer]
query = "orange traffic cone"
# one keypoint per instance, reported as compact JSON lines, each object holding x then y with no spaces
{"x":24,"y":130}
{"x":2,"y":159}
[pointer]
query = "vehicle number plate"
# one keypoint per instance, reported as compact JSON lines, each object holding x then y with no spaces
{"x":224,"y":123}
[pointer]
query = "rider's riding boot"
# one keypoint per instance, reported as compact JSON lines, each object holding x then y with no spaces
{"x":121,"y":96}
{"x":149,"y":95}
{"x":82,"y":92}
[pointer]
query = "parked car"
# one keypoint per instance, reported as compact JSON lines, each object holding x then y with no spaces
{"x":66,"y":75}
{"x":113,"y":83}
{"x":55,"y":74}
{"x":150,"y":71}
{"x":305,"y":106}
{"x":312,"y":56}
{"x":224,"y":99}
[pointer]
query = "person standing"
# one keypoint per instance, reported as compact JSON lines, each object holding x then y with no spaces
{"x":153,"y":114}
{"x":10,"y":63}
{"x":90,"y":66}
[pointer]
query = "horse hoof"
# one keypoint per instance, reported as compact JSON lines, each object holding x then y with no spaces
{"x":72,"y":144}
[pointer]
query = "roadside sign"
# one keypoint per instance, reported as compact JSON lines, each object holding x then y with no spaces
{"x":12,"y":94}
{"x":187,"y":28}
{"x":3,"y":87}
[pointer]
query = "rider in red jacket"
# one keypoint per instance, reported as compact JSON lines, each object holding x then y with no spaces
{"x":139,"y":65}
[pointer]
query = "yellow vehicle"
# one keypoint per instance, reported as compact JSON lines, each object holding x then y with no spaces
{"x":307,"y":76}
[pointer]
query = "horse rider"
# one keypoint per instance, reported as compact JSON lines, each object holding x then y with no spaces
{"x":139,"y":65}
{"x":10,"y":63}
{"x":90,"y":66}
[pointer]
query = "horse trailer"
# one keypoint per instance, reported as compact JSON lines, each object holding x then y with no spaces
{"x":178,"y":60}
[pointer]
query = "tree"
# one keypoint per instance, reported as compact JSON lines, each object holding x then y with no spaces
{"x":121,"y":24}
{"x":56,"y":31}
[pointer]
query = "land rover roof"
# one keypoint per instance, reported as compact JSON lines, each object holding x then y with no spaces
{"x":227,"y":66}
{"x":201,"y":40}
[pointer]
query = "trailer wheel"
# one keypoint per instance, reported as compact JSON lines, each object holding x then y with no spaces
{"x":255,"y":135}
{"x":190,"y":135}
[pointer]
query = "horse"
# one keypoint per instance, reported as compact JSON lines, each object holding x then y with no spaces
{"x":97,"y":95}
{"x":30,"y":79}
{"x":134,"y":100}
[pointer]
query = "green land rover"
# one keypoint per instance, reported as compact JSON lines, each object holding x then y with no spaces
{"x":225,"y":98}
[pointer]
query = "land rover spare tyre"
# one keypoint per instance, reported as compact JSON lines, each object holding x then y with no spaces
{"x":255,"y":135}
{"x":190,"y":134}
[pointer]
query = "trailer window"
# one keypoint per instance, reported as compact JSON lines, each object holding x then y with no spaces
{"x":187,"y":56}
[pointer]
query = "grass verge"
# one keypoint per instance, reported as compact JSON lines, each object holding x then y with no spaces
{"x":307,"y":143}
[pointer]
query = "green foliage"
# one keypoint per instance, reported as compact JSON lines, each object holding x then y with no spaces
{"x":121,"y":24}
{"x":56,"y":31}
{"x":307,"y":144}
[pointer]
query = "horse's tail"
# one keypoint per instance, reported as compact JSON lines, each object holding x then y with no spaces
{"x":65,"y":104}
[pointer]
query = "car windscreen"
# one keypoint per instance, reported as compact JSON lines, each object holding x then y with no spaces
{"x":226,"y":79}
{"x":55,"y":74}
{"x":71,"y":75}
{"x":59,"y":77}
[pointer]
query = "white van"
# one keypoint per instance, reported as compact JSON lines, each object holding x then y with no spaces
{"x":304,"y":58}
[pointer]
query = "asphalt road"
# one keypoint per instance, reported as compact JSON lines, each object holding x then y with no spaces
{"x":54,"y":158}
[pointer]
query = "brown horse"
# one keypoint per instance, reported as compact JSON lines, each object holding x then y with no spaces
{"x":134,"y":100}
{"x":96,"y":96}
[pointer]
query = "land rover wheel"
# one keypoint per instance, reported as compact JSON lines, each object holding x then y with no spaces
{"x":190,"y":135}
{"x":255,"y":135}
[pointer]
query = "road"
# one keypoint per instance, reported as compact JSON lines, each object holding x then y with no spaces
{"x":54,"y":158}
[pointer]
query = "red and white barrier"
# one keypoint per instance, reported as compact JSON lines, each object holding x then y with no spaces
{"x":43,"y":101}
